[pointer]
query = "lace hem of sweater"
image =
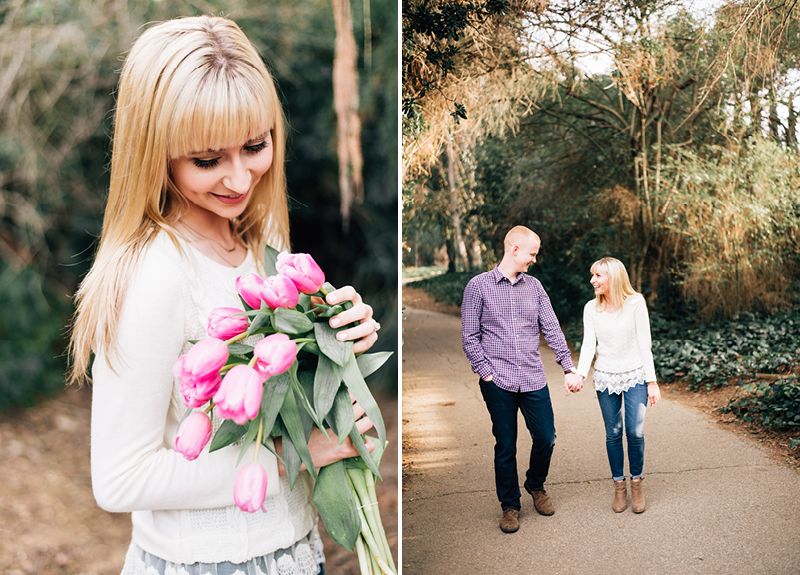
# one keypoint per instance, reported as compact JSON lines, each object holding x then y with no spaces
{"x":618,"y":382}
{"x":302,"y":558}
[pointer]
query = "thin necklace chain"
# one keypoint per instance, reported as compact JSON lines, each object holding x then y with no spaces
{"x":235,"y":244}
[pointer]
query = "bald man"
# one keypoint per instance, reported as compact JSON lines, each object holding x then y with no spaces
{"x":503,"y":314}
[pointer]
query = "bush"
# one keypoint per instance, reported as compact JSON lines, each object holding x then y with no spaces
{"x":774,"y":404}
{"x":712,"y":354}
{"x":32,"y":320}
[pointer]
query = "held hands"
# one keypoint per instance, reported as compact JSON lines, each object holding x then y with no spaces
{"x":573,"y":382}
{"x":365,"y":334}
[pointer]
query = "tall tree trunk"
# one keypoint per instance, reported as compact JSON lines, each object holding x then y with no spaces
{"x":455,"y":208}
{"x":345,"y":102}
{"x":791,"y":130}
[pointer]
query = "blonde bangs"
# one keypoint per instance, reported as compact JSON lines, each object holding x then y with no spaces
{"x":222,"y":109}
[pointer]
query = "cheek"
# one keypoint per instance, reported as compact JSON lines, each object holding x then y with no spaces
{"x":262,"y":164}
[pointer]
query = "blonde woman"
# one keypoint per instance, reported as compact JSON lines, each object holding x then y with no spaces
{"x":197,"y":187}
{"x":617,"y":331}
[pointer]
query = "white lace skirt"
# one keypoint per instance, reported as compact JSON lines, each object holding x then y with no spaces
{"x":618,"y":382}
{"x":302,"y":558}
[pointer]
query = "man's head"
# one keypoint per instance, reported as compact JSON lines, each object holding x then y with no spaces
{"x":521,"y":247}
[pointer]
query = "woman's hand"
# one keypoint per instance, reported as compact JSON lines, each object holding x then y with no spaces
{"x":653,"y":393}
{"x":326,"y":451}
{"x":365,"y":334}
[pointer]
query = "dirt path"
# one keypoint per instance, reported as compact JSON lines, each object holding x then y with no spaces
{"x":49,"y":521}
{"x":718,"y":502}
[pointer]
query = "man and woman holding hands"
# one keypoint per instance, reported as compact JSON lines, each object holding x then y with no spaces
{"x":504,"y":312}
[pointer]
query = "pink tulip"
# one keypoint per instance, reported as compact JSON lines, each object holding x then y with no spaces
{"x":250,"y":487}
{"x":275,"y":354}
{"x":198,"y":371}
{"x":239,"y":395}
{"x":223,"y":323}
{"x":193,"y":435}
{"x":279,"y":291}
{"x":302,"y":270}
{"x":249,"y":287}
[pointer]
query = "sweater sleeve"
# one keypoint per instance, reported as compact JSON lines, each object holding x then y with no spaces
{"x":589,"y":345}
{"x":133,"y":467}
{"x":642,"y":322}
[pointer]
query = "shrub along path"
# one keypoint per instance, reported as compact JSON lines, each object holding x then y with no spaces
{"x":717,"y":502}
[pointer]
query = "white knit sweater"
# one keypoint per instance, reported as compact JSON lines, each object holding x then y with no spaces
{"x":620,"y":339}
{"x":182,"y":511}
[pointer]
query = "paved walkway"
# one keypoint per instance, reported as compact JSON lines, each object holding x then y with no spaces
{"x":716,"y":502}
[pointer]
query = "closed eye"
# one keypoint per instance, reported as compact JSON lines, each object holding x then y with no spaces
{"x":205,"y":164}
{"x":256,"y":148}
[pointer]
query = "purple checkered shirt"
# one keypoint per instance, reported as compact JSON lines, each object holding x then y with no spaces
{"x":500,"y":326}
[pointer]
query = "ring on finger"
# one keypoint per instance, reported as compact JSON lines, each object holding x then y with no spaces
{"x":376,"y":324}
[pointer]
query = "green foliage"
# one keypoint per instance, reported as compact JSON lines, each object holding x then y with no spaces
{"x":711,"y":355}
{"x":774,"y":404}
{"x":61,"y":62}
{"x":447,"y":288}
{"x":32,"y":320}
{"x":422,"y":272}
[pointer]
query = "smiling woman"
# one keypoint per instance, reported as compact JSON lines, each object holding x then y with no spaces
{"x":181,"y":226}
{"x":218,"y":185}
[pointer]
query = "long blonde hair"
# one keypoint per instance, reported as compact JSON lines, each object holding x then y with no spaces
{"x":188,"y":84}
{"x":619,"y":285}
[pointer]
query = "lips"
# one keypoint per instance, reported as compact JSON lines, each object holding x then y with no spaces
{"x":230,"y":199}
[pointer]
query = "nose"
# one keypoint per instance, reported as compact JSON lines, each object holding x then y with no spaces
{"x":238,"y":178}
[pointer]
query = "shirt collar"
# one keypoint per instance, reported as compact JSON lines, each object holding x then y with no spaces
{"x":498,"y":276}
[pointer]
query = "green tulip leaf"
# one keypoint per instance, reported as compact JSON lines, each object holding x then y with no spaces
{"x":331,"y":311}
{"x":290,"y":415}
{"x":291,"y":321}
{"x":340,"y":417}
{"x":249,"y":438}
{"x":337,"y":351}
{"x":239,"y":349}
{"x":260,"y":321}
{"x":291,"y":458}
{"x":358,"y":387}
{"x":336,"y":505}
{"x":369,"y":363}
{"x":304,"y":302}
{"x":229,"y":432}
{"x":326,"y":383}
{"x":361,"y":446}
{"x":376,"y":455}
{"x":275,"y":389}
{"x":270,"y":260}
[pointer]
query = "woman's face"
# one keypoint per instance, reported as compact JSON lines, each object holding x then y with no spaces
{"x":221,"y":182}
{"x":599,"y":282}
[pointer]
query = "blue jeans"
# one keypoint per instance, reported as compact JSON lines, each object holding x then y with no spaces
{"x":635,"y":400}
{"x":538,"y":414}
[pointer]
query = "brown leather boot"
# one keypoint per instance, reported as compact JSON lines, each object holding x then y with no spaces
{"x":620,"y":497}
{"x":637,"y":496}
{"x":509,"y":523}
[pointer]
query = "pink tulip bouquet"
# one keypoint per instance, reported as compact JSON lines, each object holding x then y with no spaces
{"x":298,"y":375}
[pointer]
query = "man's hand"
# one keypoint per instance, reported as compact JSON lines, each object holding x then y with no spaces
{"x":573,"y":382}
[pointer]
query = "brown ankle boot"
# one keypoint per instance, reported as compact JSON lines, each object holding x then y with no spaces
{"x":620,"y":497}
{"x":637,"y":496}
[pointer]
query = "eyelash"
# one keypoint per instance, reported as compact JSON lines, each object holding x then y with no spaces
{"x":208,"y":164}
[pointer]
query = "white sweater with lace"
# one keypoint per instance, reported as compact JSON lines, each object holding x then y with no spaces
{"x":182,"y":511}
{"x":621,"y":340}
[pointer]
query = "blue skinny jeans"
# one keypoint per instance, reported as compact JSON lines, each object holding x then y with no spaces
{"x":635,"y":401}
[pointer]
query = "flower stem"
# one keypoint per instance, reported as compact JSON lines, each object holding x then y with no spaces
{"x":259,"y":437}
{"x":236,"y":338}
